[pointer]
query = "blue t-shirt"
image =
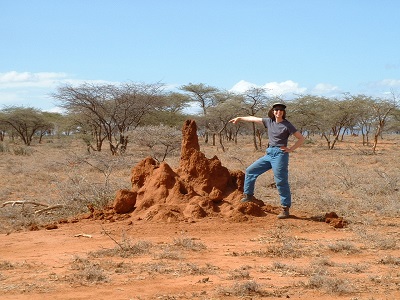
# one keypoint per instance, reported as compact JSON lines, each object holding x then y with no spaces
{"x":278,"y":133}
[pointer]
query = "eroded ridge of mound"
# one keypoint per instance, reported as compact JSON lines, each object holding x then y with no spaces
{"x":200,"y":187}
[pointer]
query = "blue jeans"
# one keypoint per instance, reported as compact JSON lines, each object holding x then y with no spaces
{"x":277,"y":160}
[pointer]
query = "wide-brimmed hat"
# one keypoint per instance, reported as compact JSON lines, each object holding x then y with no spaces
{"x":271,"y":111}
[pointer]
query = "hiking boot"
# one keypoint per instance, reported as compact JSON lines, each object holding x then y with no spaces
{"x":284,"y":213}
{"x":247,"y":198}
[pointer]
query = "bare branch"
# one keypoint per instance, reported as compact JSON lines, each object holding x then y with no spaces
{"x":83,"y":235}
{"x":13,"y":203}
{"x":49,"y":208}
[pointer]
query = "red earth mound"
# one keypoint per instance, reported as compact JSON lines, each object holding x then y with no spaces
{"x":198,"y":188}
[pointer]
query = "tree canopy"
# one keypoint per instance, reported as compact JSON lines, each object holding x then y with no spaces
{"x":109,"y":113}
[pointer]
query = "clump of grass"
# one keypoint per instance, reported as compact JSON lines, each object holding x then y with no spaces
{"x":6,"y":265}
{"x":189,"y":244}
{"x":354,"y":268}
{"x":88,"y":271}
{"x":194,"y":269}
{"x":241,"y":289}
{"x":283,"y":247}
{"x":168,"y":253}
{"x":378,"y":241}
{"x":239,"y":273}
{"x":287,"y":247}
{"x":323,"y":262}
{"x":390,"y":260}
{"x":22,"y":150}
{"x":289,"y":270}
{"x":330,"y":285}
{"x":157,"y":267}
{"x":343,"y":246}
{"x":117,"y":267}
{"x":4,"y":148}
{"x":125,"y":248}
{"x":278,"y":232}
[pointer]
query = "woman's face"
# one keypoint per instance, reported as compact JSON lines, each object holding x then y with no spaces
{"x":279,"y":112}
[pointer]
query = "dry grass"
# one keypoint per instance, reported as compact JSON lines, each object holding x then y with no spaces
{"x":60,"y":172}
{"x":361,"y":187}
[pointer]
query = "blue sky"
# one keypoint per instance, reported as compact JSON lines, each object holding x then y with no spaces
{"x":323,"y":47}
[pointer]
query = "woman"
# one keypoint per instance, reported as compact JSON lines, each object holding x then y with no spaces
{"x":277,"y":155}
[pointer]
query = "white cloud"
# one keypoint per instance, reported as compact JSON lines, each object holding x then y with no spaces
{"x":284,"y":88}
{"x":242,"y":86}
{"x":325,"y":89}
{"x":381,"y":88}
{"x":14,"y":79}
{"x":273,"y":88}
{"x":390,"y":83}
{"x":34,"y":89}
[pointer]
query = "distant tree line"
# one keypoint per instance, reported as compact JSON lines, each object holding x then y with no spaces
{"x":107,"y":114}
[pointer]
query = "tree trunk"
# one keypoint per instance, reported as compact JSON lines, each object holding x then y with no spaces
{"x":254,"y":137}
{"x":259,"y":138}
{"x":377,"y":134}
{"x":221,"y":143}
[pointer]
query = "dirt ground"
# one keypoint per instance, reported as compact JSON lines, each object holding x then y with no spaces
{"x":232,"y":260}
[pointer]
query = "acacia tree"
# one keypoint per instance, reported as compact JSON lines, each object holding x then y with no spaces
{"x":25,"y":121}
{"x":161,"y":140}
{"x":327,"y":117}
{"x":205,"y":96}
{"x":254,"y":100}
{"x":170,"y":112}
{"x":219,"y":117}
{"x":363,"y":112}
{"x":56,"y":123}
{"x":89,"y":128}
{"x":110,"y":111}
{"x":395,"y":124}
{"x":343,"y":117}
{"x":382,"y":108}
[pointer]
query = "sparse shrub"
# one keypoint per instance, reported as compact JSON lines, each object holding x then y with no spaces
{"x":4,"y":148}
{"x":157,"y":267}
{"x":378,"y":241}
{"x":6,"y":265}
{"x":283,"y":247}
{"x":286,"y":247}
{"x":354,"y":268}
{"x":344,"y":246}
{"x":93,"y":273}
{"x":189,"y":243}
{"x":125,"y":249}
{"x":289,"y":270}
{"x":242,"y":289}
{"x":322,"y":261}
{"x":194,"y":269}
{"x":88,"y":271}
{"x":168,"y":253}
{"x":330,"y":285}
{"x":390,"y":260}
{"x":286,"y":269}
{"x":22,"y":150}
{"x":240,"y":273}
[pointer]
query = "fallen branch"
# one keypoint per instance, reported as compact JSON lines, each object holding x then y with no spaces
{"x":49,"y":208}
{"x":13,"y":203}
{"x":83,"y":234}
